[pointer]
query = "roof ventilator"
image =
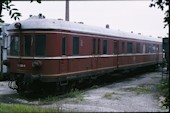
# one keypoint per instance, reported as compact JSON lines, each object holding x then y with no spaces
{"x":107,"y":26}
{"x":81,"y":22}
{"x":41,"y":16}
{"x":60,"y":19}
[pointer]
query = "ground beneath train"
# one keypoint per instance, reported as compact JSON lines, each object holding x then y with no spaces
{"x":135,"y":94}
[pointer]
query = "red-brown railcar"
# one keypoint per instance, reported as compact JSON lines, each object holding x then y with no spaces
{"x":56,"y":51}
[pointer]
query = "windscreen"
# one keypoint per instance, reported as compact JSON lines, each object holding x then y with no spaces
{"x":14,"y":47}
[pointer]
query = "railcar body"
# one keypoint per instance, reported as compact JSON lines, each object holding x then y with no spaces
{"x":57,"y":51}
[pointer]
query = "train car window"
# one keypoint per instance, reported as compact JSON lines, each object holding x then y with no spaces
{"x":104,"y":46}
{"x":40,"y":45}
{"x":137,"y":47}
{"x":27,"y":45}
{"x":160,"y":48}
{"x":14,"y":47}
{"x":115,"y":47}
{"x":94,"y":46}
{"x":157,"y":49}
{"x":146,"y":48}
{"x":98,"y":46}
{"x":75,"y":45}
{"x":64,"y":46}
{"x":153,"y":48}
{"x":143,"y":49}
{"x":149,"y":48}
{"x":123,"y":47}
{"x":130,"y":47}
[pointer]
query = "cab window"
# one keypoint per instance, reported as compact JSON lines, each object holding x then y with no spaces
{"x":40,"y":45}
{"x":27,"y":45}
{"x":14,"y":47}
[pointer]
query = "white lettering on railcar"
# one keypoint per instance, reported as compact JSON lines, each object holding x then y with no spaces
{"x":21,"y":65}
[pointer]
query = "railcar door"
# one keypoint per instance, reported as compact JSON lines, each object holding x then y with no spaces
{"x":94,"y":56}
{"x":39,"y":51}
{"x":64,"y":62}
{"x":116,"y":53}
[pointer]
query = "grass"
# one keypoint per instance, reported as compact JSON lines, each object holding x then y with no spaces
{"x":17,"y":108}
{"x":50,"y":99}
{"x":143,"y":88}
{"x":108,"y":95}
{"x":163,"y":88}
{"x":139,"y":90}
{"x":94,"y":87}
{"x":147,"y":85}
{"x":30,"y":108}
{"x":72,"y":94}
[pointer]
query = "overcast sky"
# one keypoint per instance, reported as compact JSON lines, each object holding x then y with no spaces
{"x":127,"y":16}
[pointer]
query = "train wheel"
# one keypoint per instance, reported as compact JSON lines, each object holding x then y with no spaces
{"x":20,"y":88}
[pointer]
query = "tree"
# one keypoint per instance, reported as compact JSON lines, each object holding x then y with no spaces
{"x":13,"y":12}
{"x":164,"y":87}
{"x":161,"y":4}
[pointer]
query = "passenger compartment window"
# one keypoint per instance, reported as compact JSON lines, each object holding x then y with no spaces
{"x":94,"y":46}
{"x":130,"y":47}
{"x":27,"y":45}
{"x":137,"y":47}
{"x":14,"y":47}
{"x":64,"y":46}
{"x":146,"y":48}
{"x":75,"y":45}
{"x":98,"y":46}
{"x":115,"y":47}
{"x":40,"y":45}
{"x":123,"y":47}
{"x":104,"y":46}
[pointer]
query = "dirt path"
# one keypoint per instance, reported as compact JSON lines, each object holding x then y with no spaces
{"x":137,"y":94}
{"x":5,"y":90}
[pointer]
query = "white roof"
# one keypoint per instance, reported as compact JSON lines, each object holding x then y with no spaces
{"x":36,"y":22}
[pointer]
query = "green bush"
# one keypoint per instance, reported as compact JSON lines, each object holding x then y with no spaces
{"x":164,"y":90}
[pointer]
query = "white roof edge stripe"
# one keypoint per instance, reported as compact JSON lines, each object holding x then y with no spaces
{"x":37,"y":23}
